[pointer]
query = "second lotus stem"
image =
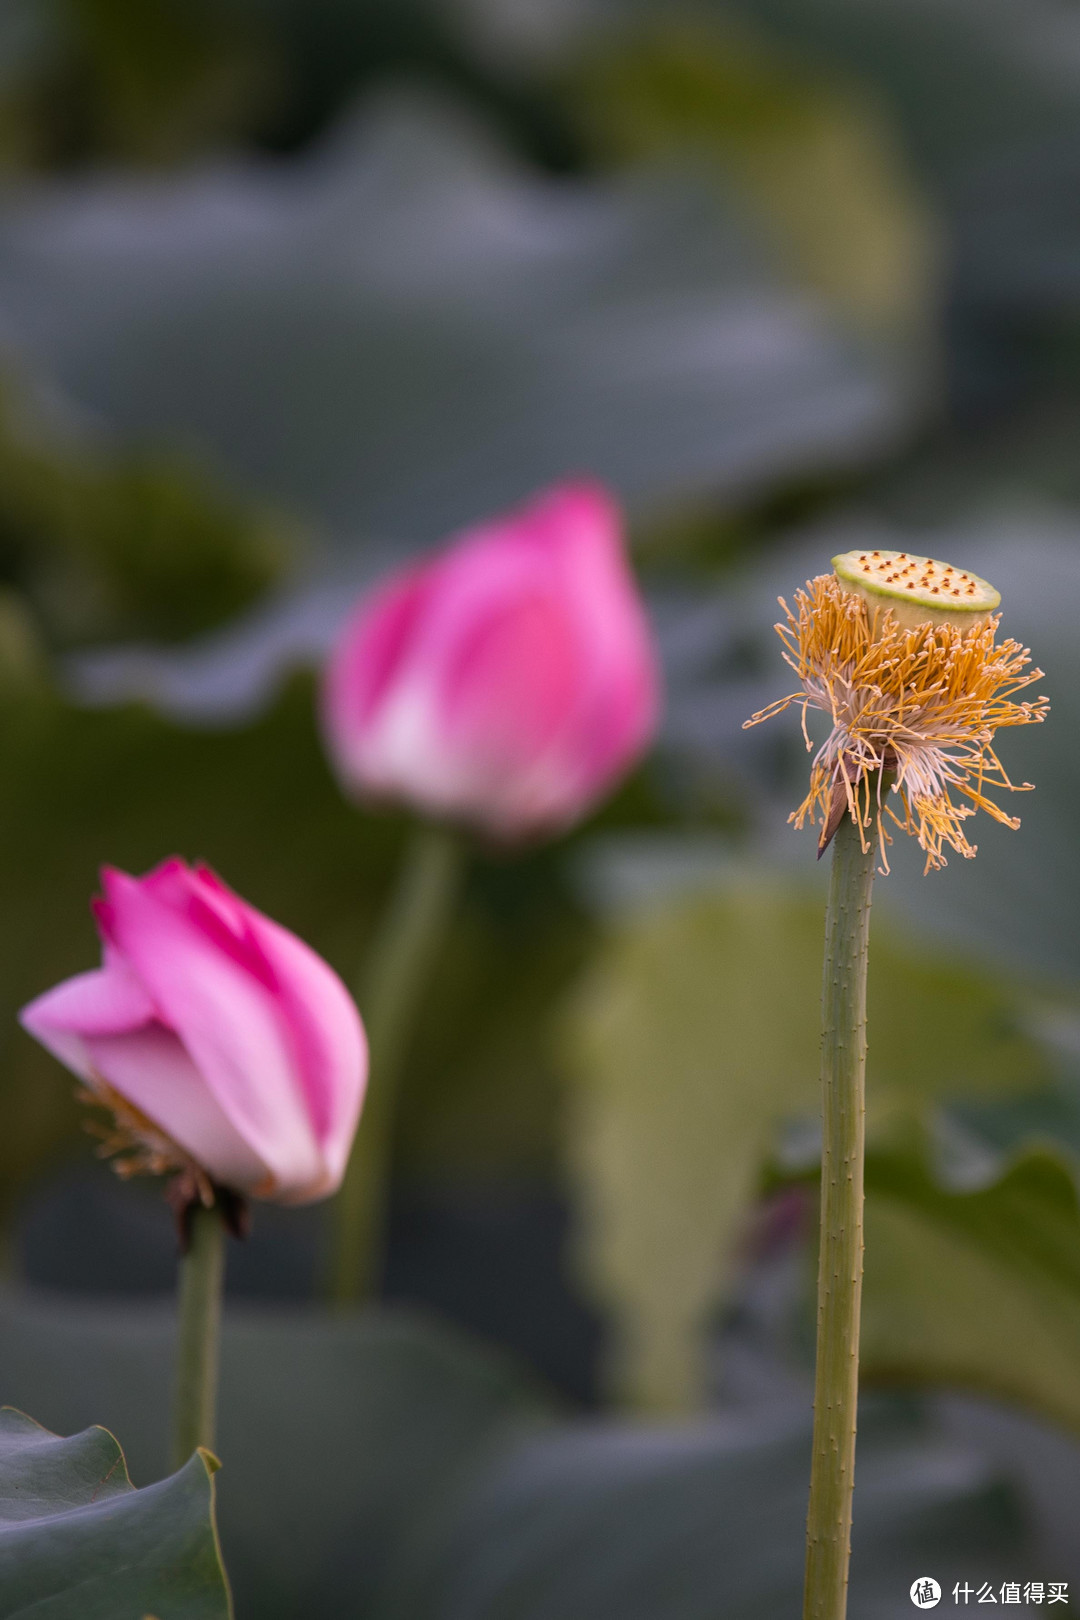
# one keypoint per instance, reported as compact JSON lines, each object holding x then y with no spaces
{"x":398,"y":967}
{"x":840,"y":1267}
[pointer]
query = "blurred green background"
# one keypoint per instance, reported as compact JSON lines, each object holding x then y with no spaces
{"x":290,"y":289}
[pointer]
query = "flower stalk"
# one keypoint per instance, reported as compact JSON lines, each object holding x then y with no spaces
{"x":840,"y":1266}
{"x":202,"y":1276}
{"x":395,"y":976}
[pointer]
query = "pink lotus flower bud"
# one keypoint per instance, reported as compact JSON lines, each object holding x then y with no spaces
{"x":509,"y":681}
{"x":223,"y":1045}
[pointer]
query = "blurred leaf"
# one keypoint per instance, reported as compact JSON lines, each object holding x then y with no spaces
{"x":420,"y":1489}
{"x":692,"y":1038}
{"x":401,"y":332}
{"x":330,"y":53}
{"x":981,"y":1134}
{"x":814,"y":155}
{"x":161,"y":78}
{"x":606,"y":1520}
{"x":79,"y":1542}
{"x":143,"y":81}
{"x":975,"y":1139}
{"x":28,"y":31}
{"x":135,"y":545}
{"x":380,"y":1418}
{"x":940,"y":1027}
{"x":980,"y":1289}
{"x":985,"y":99}
{"x":22,"y":663}
{"x":964,"y":79}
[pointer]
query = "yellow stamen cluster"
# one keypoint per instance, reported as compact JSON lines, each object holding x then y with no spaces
{"x":916,"y":706}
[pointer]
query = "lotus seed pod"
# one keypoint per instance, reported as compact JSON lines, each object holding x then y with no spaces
{"x":919,"y":590}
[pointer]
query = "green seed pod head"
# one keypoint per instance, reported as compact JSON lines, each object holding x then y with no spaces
{"x":919,"y":590}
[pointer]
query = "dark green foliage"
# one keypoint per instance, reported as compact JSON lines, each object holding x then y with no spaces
{"x":976,"y":1289}
{"x":78,"y":1542}
{"x":383,"y":1466}
{"x":595,"y":1523}
{"x":335,"y":1435}
{"x":125,"y":545}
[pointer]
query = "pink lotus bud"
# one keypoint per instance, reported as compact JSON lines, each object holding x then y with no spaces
{"x":222,"y":1043}
{"x":509,"y":681}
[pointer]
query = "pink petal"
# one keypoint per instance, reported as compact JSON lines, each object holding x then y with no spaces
{"x":212,"y":908}
{"x":511,"y":684}
{"x":328,"y":1043}
{"x":367,"y":658}
{"x":107,"y":1001}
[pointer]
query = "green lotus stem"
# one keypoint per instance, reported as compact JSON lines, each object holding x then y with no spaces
{"x":395,"y":977}
{"x":843,"y":1068}
{"x":202,"y":1275}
